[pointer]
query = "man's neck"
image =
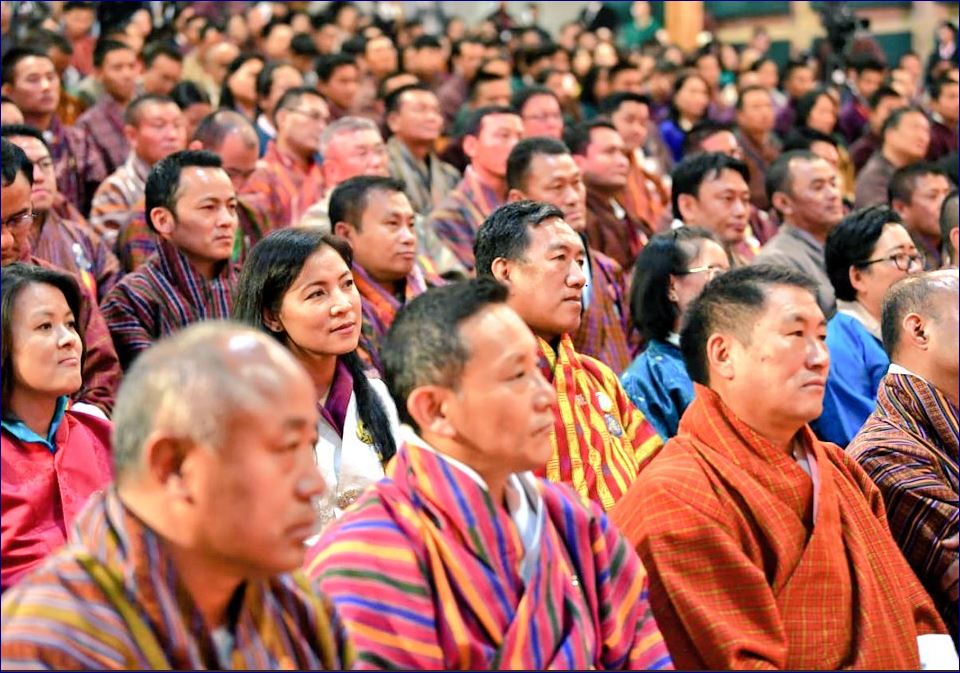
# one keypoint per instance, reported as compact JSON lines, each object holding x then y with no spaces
{"x":817,"y":232}
{"x":599,"y":188}
{"x":494,"y":478}
{"x":419,"y":149}
{"x":38,"y":121}
{"x":209,"y":584}
{"x":918,"y":362}
{"x":301,"y":160}
{"x":758,"y":138}
{"x":497,"y":183}
{"x":893,"y":157}
{"x":35,"y":410}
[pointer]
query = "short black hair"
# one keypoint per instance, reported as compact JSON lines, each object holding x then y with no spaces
{"x":804,"y":137}
{"x":786,"y":71}
{"x":481,"y":78}
{"x":703,"y":129}
{"x":475,"y":119}
{"x":47,"y":39}
{"x":940,"y":84}
{"x":612,"y":103}
{"x":187,"y":93}
{"x":14,"y":280}
{"x":750,"y":89}
{"x":520,"y":97}
{"x":154,"y":50}
{"x":903,"y":183}
{"x":912,"y":294}
{"x":14,"y":161}
{"x":692,"y":172}
{"x":163,"y":182}
{"x":103,"y":47}
{"x":883,"y":91}
{"x":13,"y":57}
{"x":522,"y":155}
{"x":852,"y":242}
{"x":578,"y":136}
{"x":291,"y":98}
{"x":349,"y":199}
{"x":729,"y":303}
{"x":392,"y":102}
{"x":271,"y":267}
{"x":426,"y":42}
{"x":779,"y":175}
{"x":23,"y":130}
{"x":131,"y":116}
{"x":864,"y":62}
{"x":506,"y":232}
{"x":949,"y":216}
{"x":302,"y":44}
{"x":424,"y":346}
{"x":893,"y":121}
{"x":327,"y":65}
{"x":665,"y":255}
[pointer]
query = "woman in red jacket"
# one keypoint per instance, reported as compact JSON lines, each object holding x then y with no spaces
{"x":52,"y":458}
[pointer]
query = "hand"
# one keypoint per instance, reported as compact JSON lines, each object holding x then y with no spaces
{"x":949,"y":581}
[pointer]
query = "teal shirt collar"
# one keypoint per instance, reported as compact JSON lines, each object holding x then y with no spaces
{"x":19,"y":429}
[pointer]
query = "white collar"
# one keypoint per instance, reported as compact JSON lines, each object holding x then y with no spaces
{"x":855,"y":310}
{"x":897,"y":369}
{"x":674,"y":339}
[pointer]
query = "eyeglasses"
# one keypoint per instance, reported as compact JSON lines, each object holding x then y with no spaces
{"x":902,"y":260}
{"x":712,"y":271}
{"x":19,"y":222}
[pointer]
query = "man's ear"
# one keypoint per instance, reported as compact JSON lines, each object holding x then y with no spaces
{"x":427,"y":406}
{"x":470,"y":146}
{"x":687,"y":205}
{"x":163,"y":221}
{"x":130,"y":133}
{"x":165,"y":459}
{"x":195,"y":145}
{"x":501,"y":270}
{"x":720,"y":355}
{"x":782,"y":202}
{"x":344,"y":230}
{"x":515,"y":195}
{"x":392,"y":122}
{"x":899,"y":206}
{"x":915,"y":331}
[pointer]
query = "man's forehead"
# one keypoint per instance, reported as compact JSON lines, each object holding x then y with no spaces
{"x":34,"y":63}
{"x":549,"y":166}
{"x":727,"y":178}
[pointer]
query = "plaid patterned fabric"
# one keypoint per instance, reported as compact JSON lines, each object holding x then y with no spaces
{"x":606,"y":331}
{"x":77,"y":162}
{"x":753,"y":564}
{"x":425,"y":184}
{"x":120,"y":198}
{"x":645,"y":197}
{"x":161,"y":297}
{"x":426,"y":572}
{"x":282,"y":189}
{"x":380,"y":308}
{"x":600,"y":440}
{"x":621,"y":238}
{"x":103,"y":124}
{"x":909,"y":448}
{"x":63,"y":616}
{"x":459,"y":215}
{"x":78,"y":250}
{"x":101,"y":368}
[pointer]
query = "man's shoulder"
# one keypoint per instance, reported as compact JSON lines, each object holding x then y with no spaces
{"x":142,"y":282}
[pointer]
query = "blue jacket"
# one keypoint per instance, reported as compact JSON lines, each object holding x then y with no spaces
{"x":857,"y":364}
{"x":658,"y":384}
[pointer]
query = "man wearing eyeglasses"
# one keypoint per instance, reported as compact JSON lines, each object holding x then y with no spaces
{"x":63,"y":242}
{"x":101,"y":369}
{"x":289,"y":179}
{"x":805,"y":190}
{"x":155,"y":127}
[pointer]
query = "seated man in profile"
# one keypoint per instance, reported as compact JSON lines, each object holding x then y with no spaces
{"x":600,"y":440}
{"x":767,"y":548}
{"x":185,"y":563}
{"x":461,"y":558}
{"x":909,"y":444}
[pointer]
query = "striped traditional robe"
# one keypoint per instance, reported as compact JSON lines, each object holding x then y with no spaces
{"x":754,"y":564}
{"x":424,"y":183}
{"x":111,"y":599}
{"x":379,"y":307}
{"x":600,"y":440}
{"x":458,"y":217}
{"x":606,"y":331}
{"x":281,"y":189}
{"x":909,"y":448}
{"x":425,"y":570}
{"x":161,"y":297}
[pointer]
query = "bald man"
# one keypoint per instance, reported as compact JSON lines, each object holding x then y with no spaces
{"x":215,"y":477}
{"x":909,"y":444}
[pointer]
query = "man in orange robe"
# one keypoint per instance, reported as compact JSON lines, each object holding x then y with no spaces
{"x":767,"y":548}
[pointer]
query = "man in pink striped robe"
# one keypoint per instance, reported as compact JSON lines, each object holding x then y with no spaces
{"x":461,"y":558}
